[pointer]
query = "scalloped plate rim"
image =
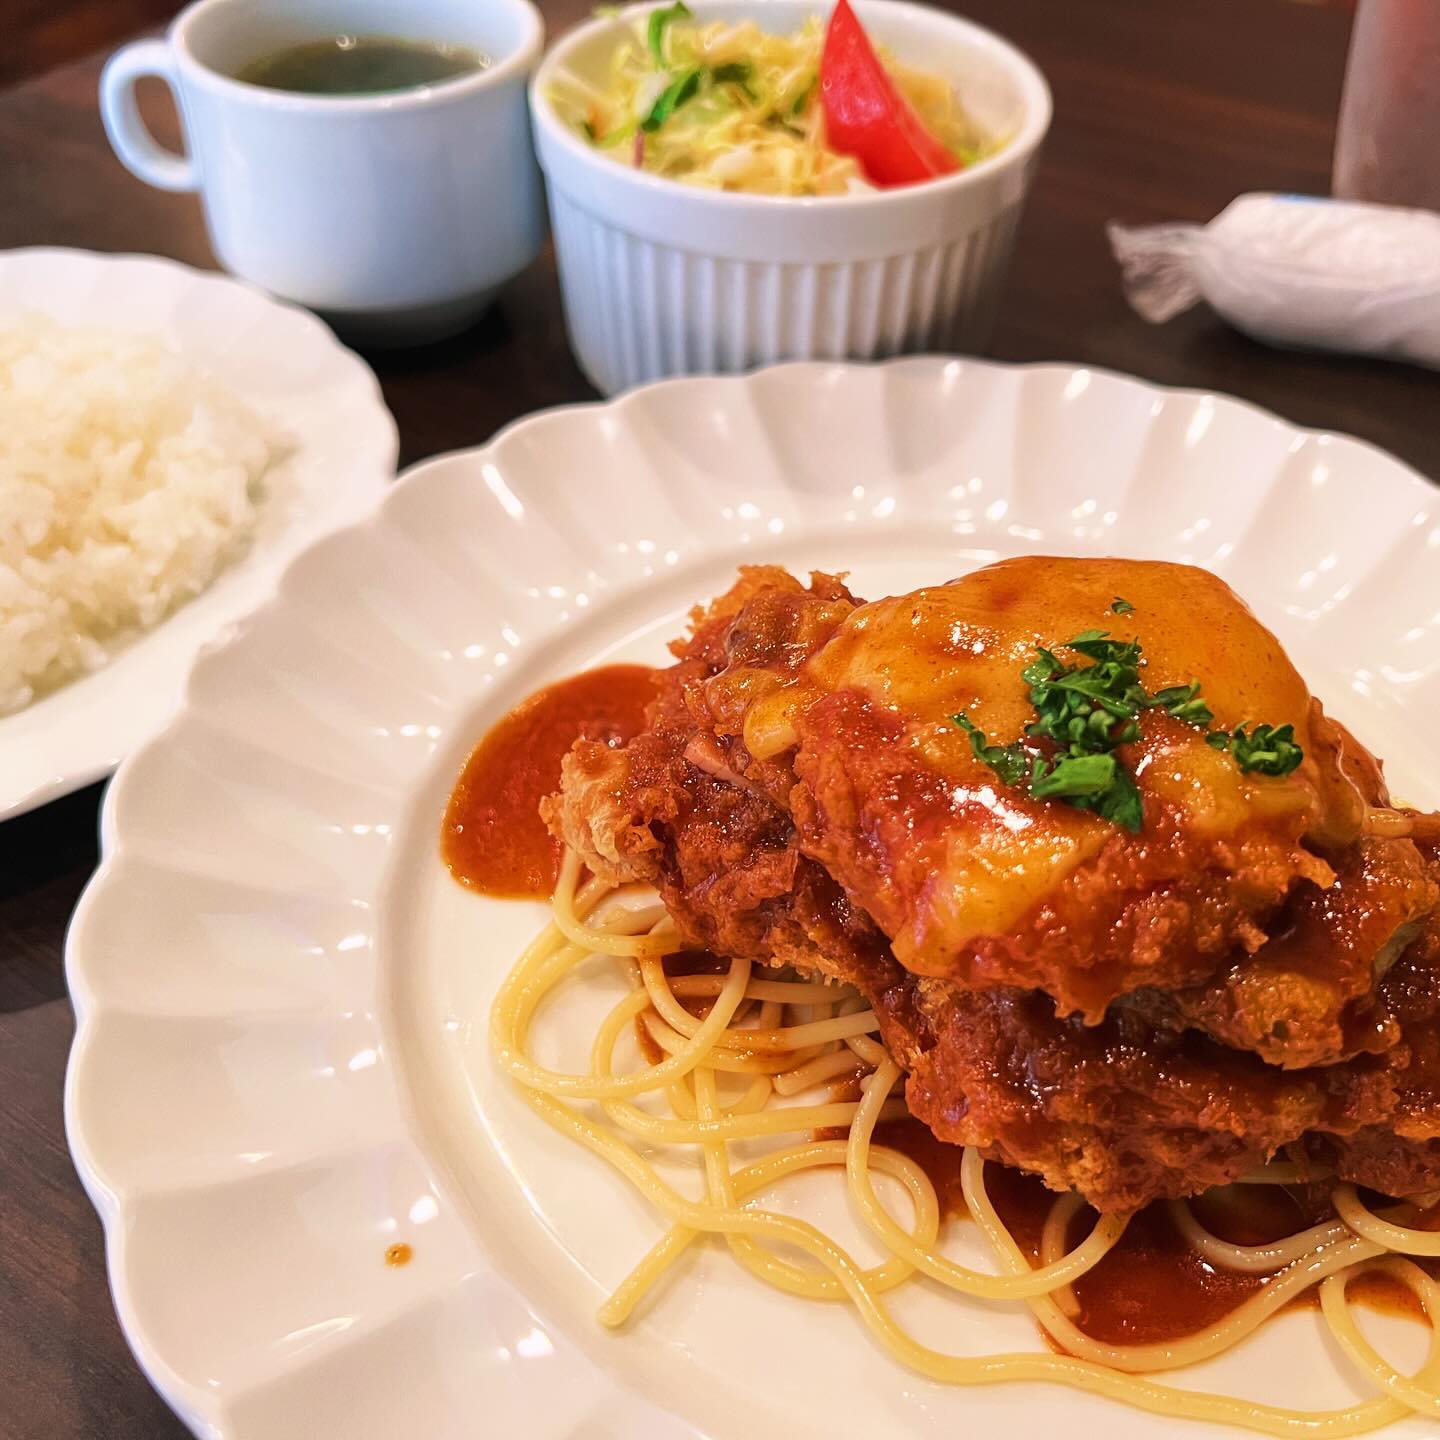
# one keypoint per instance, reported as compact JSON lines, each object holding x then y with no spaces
{"x":200,"y":1409}
{"x":101,"y":761}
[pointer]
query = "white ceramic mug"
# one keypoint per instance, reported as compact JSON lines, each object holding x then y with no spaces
{"x":396,"y":215}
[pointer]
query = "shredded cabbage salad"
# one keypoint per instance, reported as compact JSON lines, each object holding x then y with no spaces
{"x":733,"y":107}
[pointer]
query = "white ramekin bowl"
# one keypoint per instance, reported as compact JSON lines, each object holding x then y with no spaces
{"x":661,"y":278}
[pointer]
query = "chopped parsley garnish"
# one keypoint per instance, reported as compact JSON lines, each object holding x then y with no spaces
{"x":1091,"y":782}
{"x":1120,"y":607}
{"x":1087,"y":711}
{"x":1093,"y":708}
{"x":1184,"y":703}
{"x":1266,"y":750}
{"x":1009,"y":762}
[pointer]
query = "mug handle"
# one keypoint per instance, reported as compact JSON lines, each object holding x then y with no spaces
{"x":128,"y":135}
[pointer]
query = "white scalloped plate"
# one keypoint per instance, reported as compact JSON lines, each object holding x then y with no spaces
{"x":281,"y":1064}
{"x":341,"y":442}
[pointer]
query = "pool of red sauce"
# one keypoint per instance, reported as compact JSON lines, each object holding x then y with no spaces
{"x":1150,"y":1287}
{"x":492,"y":838}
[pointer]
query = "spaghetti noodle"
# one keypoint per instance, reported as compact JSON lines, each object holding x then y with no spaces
{"x":781,"y":1037}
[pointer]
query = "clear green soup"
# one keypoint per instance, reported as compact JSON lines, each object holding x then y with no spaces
{"x":360,"y":65}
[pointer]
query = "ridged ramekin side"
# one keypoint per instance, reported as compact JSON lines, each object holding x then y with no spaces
{"x":640,"y":310}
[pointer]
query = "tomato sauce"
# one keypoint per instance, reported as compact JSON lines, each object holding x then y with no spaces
{"x":493,"y":838}
{"x":1152,"y":1286}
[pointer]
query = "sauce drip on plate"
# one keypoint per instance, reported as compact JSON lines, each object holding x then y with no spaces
{"x":1152,"y":1286}
{"x":493,"y":838}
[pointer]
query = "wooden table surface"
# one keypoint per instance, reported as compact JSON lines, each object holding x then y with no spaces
{"x":1162,"y":112}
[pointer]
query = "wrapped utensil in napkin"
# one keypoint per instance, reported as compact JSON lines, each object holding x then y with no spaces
{"x":1296,"y":271}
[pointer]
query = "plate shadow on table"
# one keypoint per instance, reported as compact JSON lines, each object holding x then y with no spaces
{"x":45,"y":858}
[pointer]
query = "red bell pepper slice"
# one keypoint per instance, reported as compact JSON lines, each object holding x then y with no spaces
{"x":867,"y":117}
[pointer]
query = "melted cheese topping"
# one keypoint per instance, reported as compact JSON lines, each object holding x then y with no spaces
{"x":964,"y":644}
{"x":960,"y":648}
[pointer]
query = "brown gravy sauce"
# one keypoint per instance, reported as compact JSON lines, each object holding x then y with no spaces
{"x":493,"y":838}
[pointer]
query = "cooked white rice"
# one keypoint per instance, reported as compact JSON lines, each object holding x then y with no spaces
{"x":128,"y":481}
